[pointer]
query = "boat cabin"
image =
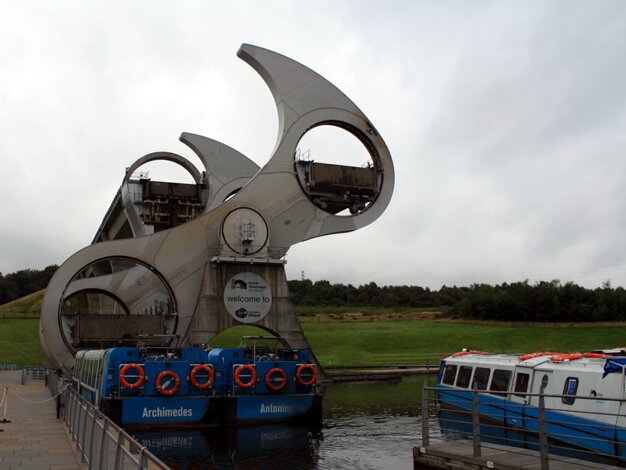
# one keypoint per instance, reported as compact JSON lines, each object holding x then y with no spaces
{"x":521,"y":378}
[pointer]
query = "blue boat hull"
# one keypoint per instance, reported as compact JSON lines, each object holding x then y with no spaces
{"x":142,"y":412}
{"x":567,"y":428}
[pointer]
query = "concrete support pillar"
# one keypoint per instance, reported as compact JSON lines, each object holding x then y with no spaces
{"x":212,"y":315}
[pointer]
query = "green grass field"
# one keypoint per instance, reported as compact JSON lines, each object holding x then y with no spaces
{"x":382,"y":343}
{"x":19,"y":343}
{"x":359,"y":343}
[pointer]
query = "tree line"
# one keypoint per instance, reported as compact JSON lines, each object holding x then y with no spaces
{"x":26,"y":281}
{"x":519,"y":301}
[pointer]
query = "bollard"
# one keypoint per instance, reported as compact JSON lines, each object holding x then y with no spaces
{"x":6,"y":406}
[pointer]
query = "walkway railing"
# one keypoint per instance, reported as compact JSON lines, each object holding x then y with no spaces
{"x":482,"y":423}
{"x":102,"y":444}
{"x":38,"y":372}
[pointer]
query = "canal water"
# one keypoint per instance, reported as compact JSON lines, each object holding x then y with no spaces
{"x":367,"y":425}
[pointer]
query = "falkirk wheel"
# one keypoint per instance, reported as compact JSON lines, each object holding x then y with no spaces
{"x":223,"y":265}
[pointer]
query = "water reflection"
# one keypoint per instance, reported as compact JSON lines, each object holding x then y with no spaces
{"x":259,"y":447}
{"x":368,"y":425}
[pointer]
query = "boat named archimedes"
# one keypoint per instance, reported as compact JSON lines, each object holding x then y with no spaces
{"x":261,"y":381}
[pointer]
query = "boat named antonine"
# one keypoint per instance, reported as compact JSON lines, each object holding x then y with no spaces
{"x":263,"y":380}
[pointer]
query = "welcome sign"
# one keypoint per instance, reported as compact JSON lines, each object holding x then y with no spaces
{"x":247,"y":297}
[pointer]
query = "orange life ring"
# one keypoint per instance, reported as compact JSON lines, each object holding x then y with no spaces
{"x":525,"y":357}
{"x":167,"y":391}
{"x":566,"y":357}
{"x":596,"y":355}
{"x":307,"y":369}
{"x":209,"y":374}
{"x":253,"y":377}
{"x":124,"y":375}
{"x":465,"y":353}
{"x":276,"y":383}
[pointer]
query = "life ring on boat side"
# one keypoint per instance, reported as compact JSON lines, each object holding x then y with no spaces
{"x":253,"y":377}
{"x":276,"y":379}
{"x":566,"y":357}
{"x":164,"y":390}
{"x":139,"y":375}
{"x":306,"y":370}
{"x":208,"y":374}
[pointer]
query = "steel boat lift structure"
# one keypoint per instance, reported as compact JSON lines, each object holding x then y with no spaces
{"x":223,"y":265}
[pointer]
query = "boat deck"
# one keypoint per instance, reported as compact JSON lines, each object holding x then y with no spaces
{"x":33,"y":438}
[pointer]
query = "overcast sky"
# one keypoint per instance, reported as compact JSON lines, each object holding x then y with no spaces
{"x":506,"y":122}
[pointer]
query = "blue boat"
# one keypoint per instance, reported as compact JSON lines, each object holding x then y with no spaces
{"x":584,"y":394}
{"x":261,"y":381}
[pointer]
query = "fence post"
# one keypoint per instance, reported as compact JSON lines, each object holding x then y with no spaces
{"x":76,"y":420}
{"x":543,"y":437}
{"x":91,"y":438}
{"x":143,"y":461}
{"x":103,"y":443}
{"x":66,"y":406}
{"x":72,"y":416}
{"x":425,"y":416}
{"x":78,"y":426}
{"x":475,"y":423}
{"x":84,"y":435}
{"x":118,"y":452}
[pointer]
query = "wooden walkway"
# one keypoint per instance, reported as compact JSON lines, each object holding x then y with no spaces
{"x":33,"y":439}
{"x":458,"y":455}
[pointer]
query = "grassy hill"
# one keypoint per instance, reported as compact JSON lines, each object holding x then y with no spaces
{"x":26,"y":307}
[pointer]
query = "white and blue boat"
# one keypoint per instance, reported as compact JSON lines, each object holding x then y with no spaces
{"x":261,"y":381}
{"x":583,"y":394}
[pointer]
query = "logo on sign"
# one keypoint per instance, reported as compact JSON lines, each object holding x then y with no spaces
{"x":247,"y":297}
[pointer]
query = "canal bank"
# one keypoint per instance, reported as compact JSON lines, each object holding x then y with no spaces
{"x":365,"y":374}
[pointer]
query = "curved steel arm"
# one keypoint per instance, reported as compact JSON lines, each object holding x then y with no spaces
{"x":270,"y":212}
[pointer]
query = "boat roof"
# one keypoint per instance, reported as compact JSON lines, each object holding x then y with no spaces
{"x":511,"y":360}
{"x":612,"y":352}
{"x":543,"y":362}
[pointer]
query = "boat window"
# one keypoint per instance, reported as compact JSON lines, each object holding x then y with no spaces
{"x":521,"y":384}
{"x":449,"y":375}
{"x":481,"y":378}
{"x":463,"y":379}
{"x":570,"y":388}
{"x":500,"y":380}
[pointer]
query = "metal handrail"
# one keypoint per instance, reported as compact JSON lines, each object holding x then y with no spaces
{"x":103,"y":444}
{"x":430,"y":402}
